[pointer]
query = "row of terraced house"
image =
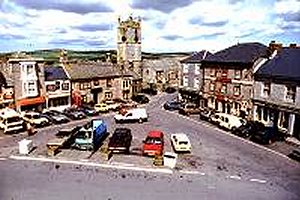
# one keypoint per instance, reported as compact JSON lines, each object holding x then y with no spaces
{"x":250,"y":80}
{"x":29,"y":83}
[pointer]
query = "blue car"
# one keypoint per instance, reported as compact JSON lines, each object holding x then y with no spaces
{"x":172,"y":105}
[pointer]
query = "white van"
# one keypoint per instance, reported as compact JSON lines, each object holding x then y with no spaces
{"x":228,"y":121}
{"x":11,"y":121}
{"x":133,"y":115}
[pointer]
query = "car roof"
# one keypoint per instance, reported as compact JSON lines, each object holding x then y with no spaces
{"x":180,"y":136}
{"x":155,"y":133}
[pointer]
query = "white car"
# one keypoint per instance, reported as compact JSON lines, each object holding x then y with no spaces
{"x":35,"y":118}
{"x":181,"y":142}
{"x":114,"y":106}
{"x":227,"y":121}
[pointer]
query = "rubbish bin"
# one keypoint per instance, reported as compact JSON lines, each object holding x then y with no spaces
{"x":25,"y":146}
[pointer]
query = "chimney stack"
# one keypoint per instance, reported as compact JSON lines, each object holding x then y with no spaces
{"x":293,"y":45}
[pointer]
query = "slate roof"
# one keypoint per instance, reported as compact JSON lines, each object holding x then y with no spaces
{"x":196,"y":57}
{"x":79,"y":71}
{"x":240,"y":53}
{"x":162,"y":64}
{"x":284,"y":66}
{"x":53,"y":73}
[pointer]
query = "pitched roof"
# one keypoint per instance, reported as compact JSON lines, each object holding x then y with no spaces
{"x":239,"y":53}
{"x":196,"y":57}
{"x":284,"y":66}
{"x":95,"y":70}
{"x":53,"y":73}
{"x":162,"y":64}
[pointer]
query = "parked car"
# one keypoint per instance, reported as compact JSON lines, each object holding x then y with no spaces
{"x":205,"y":114}
{"x":268,"y":135}
{"x":74,"y":113}
{"x":55,"y":117}
{"x":150,"y":91}
{"x":133,"y":115}
{"x":172,"y":105}
{"x":101,"y":108}
{"x":229,"y":122}
{"x":295,"y":154}
{"x":189,"y":108}
{"x":88,"y":110}
{"x":140,"y":98}
{"x":170,"y":90}
{"x":112,"y":105}
{"x":35,"y":119}
{"x":180,"y":142}
{"x":248,"y":129}
{"x":120,"y":141}
{"x":154,"y":143}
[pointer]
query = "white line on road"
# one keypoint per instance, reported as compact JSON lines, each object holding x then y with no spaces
{"x":3,"y":158}
{"x":258,"y":180}
{"x":235,"y":177}
{"x":166,"y":171}
{"x":191,"y":172}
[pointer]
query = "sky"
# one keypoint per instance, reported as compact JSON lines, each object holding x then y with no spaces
{"x":167,"y":25}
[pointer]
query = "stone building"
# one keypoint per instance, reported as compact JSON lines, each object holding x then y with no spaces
{"x":94,"y":82}
{"x":192,"y":76}
{"x":26,"y":74}
{"x":161,"y":73}
{"x":277,"y":92}
{"x":58,"y":87}
{"x":228,"y":78}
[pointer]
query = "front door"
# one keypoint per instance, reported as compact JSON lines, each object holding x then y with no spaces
{"x":296,"y":132}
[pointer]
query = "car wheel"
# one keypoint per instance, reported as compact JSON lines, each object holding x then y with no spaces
{"x":233,"y":129}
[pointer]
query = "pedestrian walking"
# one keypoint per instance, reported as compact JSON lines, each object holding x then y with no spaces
{"x":30,"y":129}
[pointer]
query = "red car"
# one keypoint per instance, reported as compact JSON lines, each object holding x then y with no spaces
{"x":154,"y":143}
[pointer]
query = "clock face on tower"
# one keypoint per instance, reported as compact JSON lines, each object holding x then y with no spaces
{"x":131,"y":35}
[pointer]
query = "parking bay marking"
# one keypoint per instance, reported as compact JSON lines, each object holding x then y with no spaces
{"x":41,"y":159}
{"x":258,"y":180}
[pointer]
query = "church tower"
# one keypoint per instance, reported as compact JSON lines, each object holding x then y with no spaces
{"x":129,"y":52}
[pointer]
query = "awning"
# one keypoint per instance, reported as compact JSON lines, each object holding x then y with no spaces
{"x":31,"y":101}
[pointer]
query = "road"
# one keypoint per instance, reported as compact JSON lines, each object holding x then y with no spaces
{"x":227,"y":168}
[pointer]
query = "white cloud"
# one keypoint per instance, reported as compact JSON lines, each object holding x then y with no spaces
{"x":199,"y":25}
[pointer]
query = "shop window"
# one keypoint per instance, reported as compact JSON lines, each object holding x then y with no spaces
{"x":266,"y":89}
{"x":265,"y":114}
{"x":283,"y":121}
{"x":290,"y":93}
{"x":258,"y":112}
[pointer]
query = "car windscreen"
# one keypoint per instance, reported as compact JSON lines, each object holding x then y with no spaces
{"x":151,"y":140}
{"x":13,"y":119}
{"x":182,"y":142}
